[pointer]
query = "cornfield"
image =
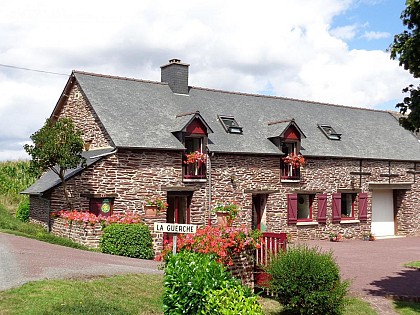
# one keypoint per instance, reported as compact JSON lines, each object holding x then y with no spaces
{"x":14,"y":177}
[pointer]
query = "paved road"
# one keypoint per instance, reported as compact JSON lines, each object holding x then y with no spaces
{"x":23,"y":260}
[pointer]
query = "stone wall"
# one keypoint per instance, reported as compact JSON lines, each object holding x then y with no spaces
{"x":76,"y":107}
{"x":39,"y":211}
{"x":134,"y":175}
{"x":81,"y":233}
{"x":243,"y":268}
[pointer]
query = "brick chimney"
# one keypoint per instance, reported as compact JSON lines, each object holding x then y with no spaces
{"x":175,"y":73}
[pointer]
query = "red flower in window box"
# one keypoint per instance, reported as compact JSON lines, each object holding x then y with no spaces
{"x":195,"y":157}
{"x":295,"y":160}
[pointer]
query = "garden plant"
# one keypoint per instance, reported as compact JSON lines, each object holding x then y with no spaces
{"x":307,"y":281}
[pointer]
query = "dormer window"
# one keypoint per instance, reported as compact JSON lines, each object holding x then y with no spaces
{"x":193,"y":132}
{"x":230,"y":124}
{"x":330,"y":132}
{"x":287,"y":135}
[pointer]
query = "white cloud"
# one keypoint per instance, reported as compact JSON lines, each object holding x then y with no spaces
{"x":285,"y":47}
{"x":345,"y":32}
{"x":371,"y":35}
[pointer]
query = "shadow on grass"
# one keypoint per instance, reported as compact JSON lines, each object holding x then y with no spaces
{"x":407,"y":307}
{"x":404,"y":286}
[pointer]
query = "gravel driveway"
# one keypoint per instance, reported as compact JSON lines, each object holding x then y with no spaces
{"x":24,"y":259}
{"x":376,"y":269}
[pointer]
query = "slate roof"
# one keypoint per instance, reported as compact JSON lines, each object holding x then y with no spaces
{"x":50,"y":179}
{"x":142,"y":114}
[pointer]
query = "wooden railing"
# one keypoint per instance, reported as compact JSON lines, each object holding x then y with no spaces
{"x":271,"y":245}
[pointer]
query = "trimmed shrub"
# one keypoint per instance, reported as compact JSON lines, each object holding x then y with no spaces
{"x":188,"y":279}
{"x":307,"y":281}
{"x":232,"y":301}
{"x":22,"y":213}
{"x":131,"y":240}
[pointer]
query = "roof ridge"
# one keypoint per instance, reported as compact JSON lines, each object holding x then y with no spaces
{"x":117,"y":77}
{"x":229,"y":92}
{"x":287,"y":98}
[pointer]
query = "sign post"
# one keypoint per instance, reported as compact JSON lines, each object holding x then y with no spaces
{"x":174,"y":228}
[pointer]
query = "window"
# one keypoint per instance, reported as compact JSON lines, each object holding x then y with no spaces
{"x":304,"y":207}
{"x":330,"y":132}
{"x":290,"y":171}
{"x":101,"y":206}
{"x":230,"y":124}
{"x":194,"y":159}
{"x":347,"y":205}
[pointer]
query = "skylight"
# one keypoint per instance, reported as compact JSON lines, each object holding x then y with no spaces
{"x":330,"y":132}
{"x":230,"y":124}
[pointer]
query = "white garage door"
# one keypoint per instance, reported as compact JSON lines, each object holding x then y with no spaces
{"x":383,"y":213}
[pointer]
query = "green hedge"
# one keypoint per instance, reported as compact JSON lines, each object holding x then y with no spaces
{"x":196,"y":284}
{"x":131,"y":240}
{"x":307,"y":281}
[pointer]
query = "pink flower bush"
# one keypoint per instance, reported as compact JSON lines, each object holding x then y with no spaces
{"x":90,"y":218}
{"x":223,"y":242}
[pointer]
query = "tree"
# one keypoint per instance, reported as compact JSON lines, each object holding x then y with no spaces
{"x":57,"y":146}
{"x":406,"y":48}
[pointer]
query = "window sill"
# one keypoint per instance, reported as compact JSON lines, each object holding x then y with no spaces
{"x":290,"y":180}
{"x":194,"y":180}
{"x":307,"y":223}
{"x":350,"y":221}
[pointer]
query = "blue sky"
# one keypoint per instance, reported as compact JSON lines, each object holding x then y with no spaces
{"x":331,"y":51}
{"x":373,"y":16}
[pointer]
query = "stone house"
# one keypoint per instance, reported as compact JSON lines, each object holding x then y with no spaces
{"x":359,"y":175}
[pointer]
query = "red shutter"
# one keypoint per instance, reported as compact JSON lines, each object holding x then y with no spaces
{"x":322,"y":208}
{"x":291,"y":208}
{"x":363,"y":206}
{"x":336,"y":207}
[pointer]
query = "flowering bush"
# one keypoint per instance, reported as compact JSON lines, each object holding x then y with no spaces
{"x":195,"y":157}
{"x":157,"y":202}
{"x":295,"y":160}
{"x":90,"y":218}
{"x":231,"y":209}
{"x":222,"y":242}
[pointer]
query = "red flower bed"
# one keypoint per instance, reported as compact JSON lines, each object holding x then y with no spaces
{"x":92,"y":219}
{"x":223,"y":242}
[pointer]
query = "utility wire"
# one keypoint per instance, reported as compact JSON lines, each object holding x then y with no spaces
{"x":34,"y":70}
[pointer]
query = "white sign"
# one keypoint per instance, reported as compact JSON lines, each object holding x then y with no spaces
{"x":175,"y":228}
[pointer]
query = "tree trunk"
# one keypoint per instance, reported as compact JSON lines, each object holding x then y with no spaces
{"x":66,"y":193}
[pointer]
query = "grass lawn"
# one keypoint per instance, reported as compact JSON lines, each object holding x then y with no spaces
{"x":127,"y":294}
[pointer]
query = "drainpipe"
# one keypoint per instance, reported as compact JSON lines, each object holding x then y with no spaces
{"x":209,"y":181}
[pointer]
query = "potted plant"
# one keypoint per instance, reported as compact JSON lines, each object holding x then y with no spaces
{"x":153,"y":206}
{"x":195,"y":160}
{"x":336,"y":237}
{"x":296,"y":161}
{"x":226,"y":213}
